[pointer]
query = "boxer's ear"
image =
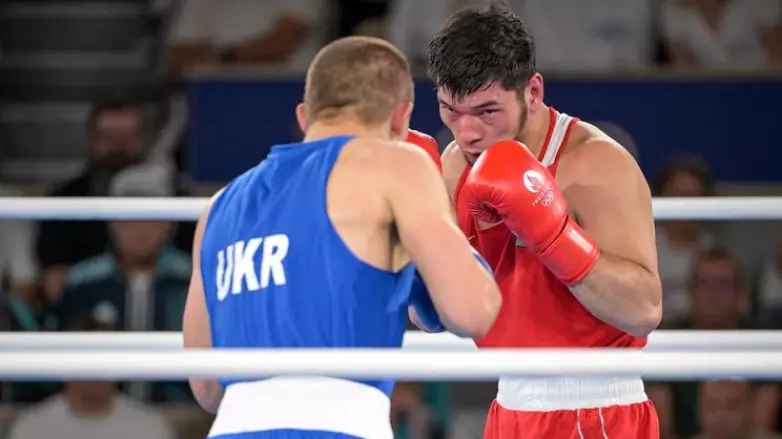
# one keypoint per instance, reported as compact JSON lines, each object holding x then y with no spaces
{"x":534,"y":92}
{"x":400,"y":120}
{"x":302,"y":117}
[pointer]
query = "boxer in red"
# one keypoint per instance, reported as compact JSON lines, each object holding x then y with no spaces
{"x":564,"y":216}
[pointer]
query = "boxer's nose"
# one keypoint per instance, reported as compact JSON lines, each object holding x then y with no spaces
{"x":469,"y":133}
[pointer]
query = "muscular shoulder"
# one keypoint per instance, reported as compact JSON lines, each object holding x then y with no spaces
{"x":591,"y":156}
{"x":385,"y":158}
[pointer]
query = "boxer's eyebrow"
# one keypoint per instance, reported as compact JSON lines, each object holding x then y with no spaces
{"x":487,"y":104}
{"x":443,"y":103}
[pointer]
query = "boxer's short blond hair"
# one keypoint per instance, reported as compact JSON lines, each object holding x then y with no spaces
{"x":365,"y":75}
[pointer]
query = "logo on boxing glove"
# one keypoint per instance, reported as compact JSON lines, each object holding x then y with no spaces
{"x":535,"y":183}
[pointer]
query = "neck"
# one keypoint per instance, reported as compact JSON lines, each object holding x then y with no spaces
{"x":321,"y":130}
{"x":536,"y":129}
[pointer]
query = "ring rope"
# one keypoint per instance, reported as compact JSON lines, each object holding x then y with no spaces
{"x":188,"y":209}
{"x":659,"y":341}
{"x":378,"y":364}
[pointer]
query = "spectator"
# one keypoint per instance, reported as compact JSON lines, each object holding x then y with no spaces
{"x":719,"y":294}
{"x":357,"y":16}
{"x":413,"y":23}
{"x":89,"y":410}
{"x":18,"y":266}
{"x":598,"y":35}
{"x":726,"y":411}
{"x":595,"y":35}
{"x":419,"y":411}
{"x":409,"y":415}
{"x":723,"y":34}
{"x":769,"y":413}
{"x":18,"y":287}
{"x":719,"y":299}
{"x":678,"y":242}
{"x":279,"y":33}
{"x":140,"y":285}
{"x":116,"y":139}
{"x":770,"y":290}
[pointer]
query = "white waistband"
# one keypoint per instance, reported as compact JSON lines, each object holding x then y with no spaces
{"x":543,"y":395}
{"x":309,"y":403}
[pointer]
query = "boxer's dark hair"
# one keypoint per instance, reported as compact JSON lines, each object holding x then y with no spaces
{"x":365,"y":75}
{"x":479,"y":46}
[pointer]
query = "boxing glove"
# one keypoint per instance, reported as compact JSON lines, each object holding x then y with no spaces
{"x":427,"y":143}
{"x":427,"y":318}
{"x":508,"y":184}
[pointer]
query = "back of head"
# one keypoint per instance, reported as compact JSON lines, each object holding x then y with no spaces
{"x":479,"y":46}
{"x":368,"y":77}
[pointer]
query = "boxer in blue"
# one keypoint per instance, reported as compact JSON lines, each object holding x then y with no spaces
{"x":325,"y":244}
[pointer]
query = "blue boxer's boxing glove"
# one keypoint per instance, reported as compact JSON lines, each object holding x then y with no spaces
{"x":424,"y":308}
{"x":422,"y":302}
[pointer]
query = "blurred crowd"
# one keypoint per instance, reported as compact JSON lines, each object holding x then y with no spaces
{"x":133,"y":275}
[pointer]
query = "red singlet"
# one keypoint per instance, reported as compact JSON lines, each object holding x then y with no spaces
{"x":540,"y":311}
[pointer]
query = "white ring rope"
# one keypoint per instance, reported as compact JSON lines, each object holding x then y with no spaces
{"x":418,"y":365}
{"x":438,"y":357}
{"x":659,"y":341}
{"x":188,"y":209}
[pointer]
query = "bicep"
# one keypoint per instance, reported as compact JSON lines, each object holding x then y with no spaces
{"x":614,"y":205}
{"x":424,"y":220}
{"x":195,"y":321}
{"x":196,"y":330}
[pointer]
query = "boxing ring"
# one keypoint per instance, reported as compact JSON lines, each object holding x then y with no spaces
{"x":670,"y":355}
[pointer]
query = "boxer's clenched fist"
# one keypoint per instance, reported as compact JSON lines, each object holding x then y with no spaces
{"x":508,"y":183}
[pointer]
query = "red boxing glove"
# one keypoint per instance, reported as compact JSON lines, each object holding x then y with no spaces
{"x":508,"y":183}
{"x":428,"y":144}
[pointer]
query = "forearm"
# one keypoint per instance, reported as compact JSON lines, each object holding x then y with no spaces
{"x":439,"y":327}
{"x":623,"y":294}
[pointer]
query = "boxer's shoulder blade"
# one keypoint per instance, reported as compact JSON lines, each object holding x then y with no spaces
{"x":356,"y":201}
